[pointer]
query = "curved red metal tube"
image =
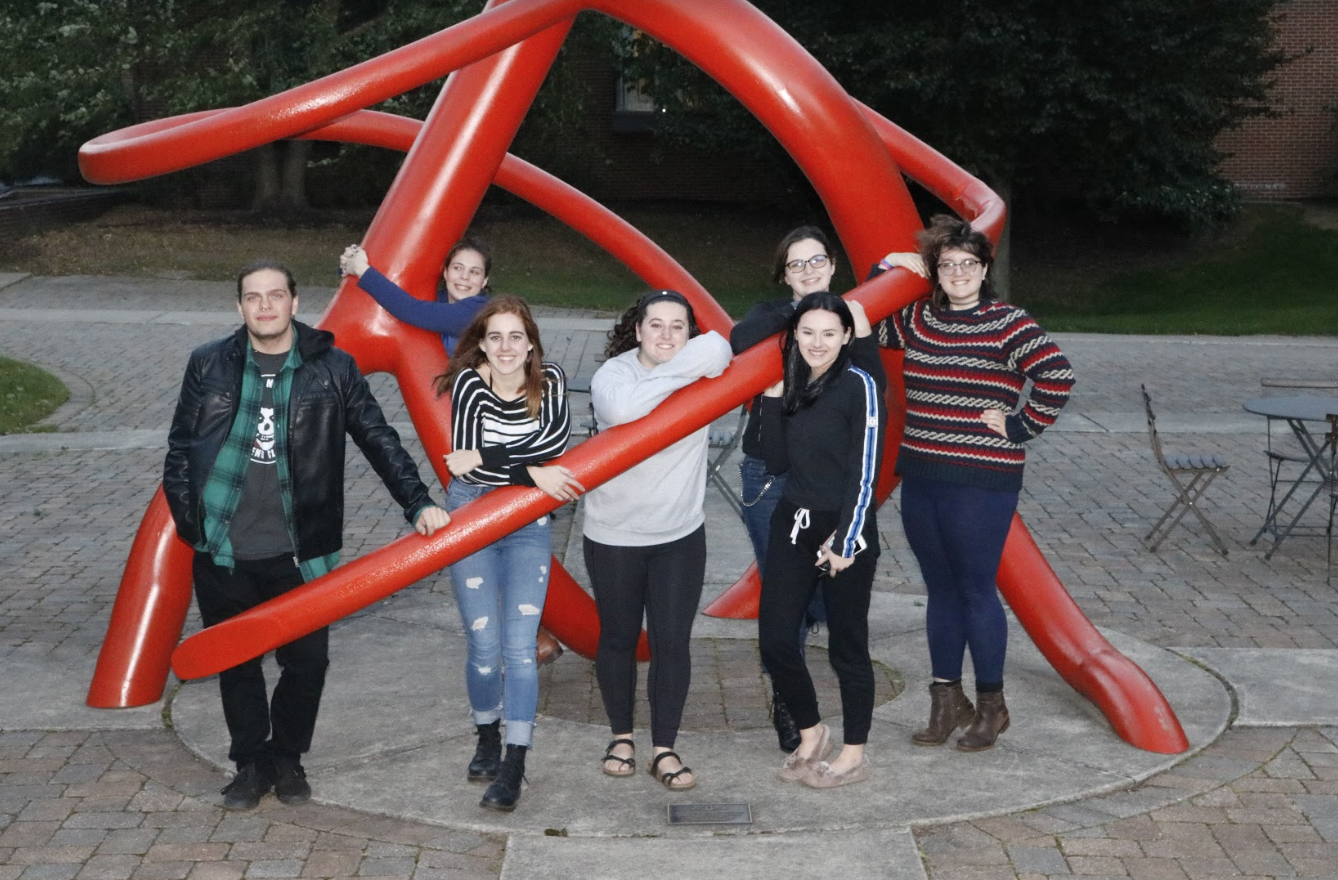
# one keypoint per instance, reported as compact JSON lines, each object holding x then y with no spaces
{"x":499,"y":58}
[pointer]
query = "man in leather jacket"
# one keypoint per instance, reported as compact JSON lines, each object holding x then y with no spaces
{"x":254,"y":478}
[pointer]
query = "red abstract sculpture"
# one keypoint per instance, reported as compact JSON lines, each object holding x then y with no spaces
{"x":496,"y":63}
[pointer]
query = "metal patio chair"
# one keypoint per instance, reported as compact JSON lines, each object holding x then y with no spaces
{"x":1190,"y":474}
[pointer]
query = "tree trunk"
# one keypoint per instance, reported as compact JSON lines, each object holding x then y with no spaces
{"x":293,"y":191}
{"x":1003,"y":252}
{"x":267,"y":178}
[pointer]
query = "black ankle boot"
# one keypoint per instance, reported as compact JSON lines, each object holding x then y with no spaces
{"x":487,"y":754}
{"x":787,"y":732}
{"x":505,"y":789}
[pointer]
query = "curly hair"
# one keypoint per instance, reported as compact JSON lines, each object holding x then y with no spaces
{"x":947,"y":233}
{"x":623,"y":335}
{"x":799,"y":392}
{"x":802,"y":233}
{"x":469,"y":352}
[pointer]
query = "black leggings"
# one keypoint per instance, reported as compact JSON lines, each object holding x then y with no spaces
{"x":791,"y":579}
{"x":664,"y":581}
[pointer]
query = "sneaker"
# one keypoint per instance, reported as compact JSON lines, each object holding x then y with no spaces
{"x":246,"y":788}
{"x":290,"y":784}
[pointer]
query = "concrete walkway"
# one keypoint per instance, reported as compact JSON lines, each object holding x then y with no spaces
{"x":1244,"y":648}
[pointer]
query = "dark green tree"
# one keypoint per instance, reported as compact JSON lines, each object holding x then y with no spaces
{"x":1119,"y":101}
{"x":76,"y":69}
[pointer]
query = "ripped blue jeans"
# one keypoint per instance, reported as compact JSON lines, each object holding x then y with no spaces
{"x":500,"y":592}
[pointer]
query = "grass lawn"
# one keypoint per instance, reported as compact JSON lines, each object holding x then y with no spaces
{"x":1272,"y":271}
{"x":29,"y":395}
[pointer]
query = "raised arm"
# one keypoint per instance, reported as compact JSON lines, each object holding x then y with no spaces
{"x":621,"y":392}
{"x":450,"y":318}
{"x":864,"y":348}
{"x":763,"y":320}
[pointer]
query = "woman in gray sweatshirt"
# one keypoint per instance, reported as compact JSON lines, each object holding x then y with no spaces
{"x":644,"y":535}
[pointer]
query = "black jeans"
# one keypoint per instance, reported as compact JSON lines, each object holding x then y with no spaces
{"x":664,"y":581}
{"x":791,"y":579}
{"x":262,"y":730}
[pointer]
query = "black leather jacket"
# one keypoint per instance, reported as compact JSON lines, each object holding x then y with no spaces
{"x":329,"y":398}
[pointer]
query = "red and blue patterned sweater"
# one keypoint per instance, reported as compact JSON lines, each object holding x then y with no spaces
{"x":958,"y":363}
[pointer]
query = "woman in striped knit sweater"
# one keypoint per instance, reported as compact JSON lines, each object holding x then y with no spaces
{"x":509,"y":418}
{"x":967,"y":359}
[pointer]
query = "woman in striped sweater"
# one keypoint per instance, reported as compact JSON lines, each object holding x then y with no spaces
{"x":508,"y":418}
{"x":967,"y":360}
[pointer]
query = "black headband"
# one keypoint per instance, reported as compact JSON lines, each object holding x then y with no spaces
{"x":657,"y":295}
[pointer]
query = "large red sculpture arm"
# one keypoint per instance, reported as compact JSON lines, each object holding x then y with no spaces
{"x":462,"y":147}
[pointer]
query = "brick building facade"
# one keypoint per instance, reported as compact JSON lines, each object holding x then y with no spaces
{"x":1294,"y":156}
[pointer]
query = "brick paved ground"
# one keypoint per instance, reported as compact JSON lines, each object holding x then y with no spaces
{"x":120,"y":805}
{"x":1258,"y":803}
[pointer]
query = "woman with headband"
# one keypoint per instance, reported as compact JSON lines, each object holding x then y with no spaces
{"x":645,"y":533}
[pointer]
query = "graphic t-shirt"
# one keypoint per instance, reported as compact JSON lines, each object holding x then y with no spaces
{"x":258,"y":530}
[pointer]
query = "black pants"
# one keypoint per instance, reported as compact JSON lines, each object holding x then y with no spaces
{"x":664,"y":581}
{"x":791,"y":579}
{"x":263,"y":730}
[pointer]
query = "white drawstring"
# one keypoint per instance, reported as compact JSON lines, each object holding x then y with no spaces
{"x":800,"y":523}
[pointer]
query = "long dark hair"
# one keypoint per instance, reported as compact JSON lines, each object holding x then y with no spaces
{"x":468,"y":354}
{"x":799,"y":392}
{"x":802,"y":233}
{"x":947,"y":233}
{"x":623,"y":335}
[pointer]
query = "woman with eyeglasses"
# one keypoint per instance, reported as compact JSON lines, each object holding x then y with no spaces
{"x":803,"y":263}
{"x":822,"y":427}
{"x":967,"y":359}
{"x":645,"y":530}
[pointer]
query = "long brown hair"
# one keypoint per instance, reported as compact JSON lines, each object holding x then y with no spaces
{"x":469,"y":353}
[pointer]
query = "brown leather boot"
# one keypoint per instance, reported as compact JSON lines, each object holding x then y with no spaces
{"x":991,"y":720}
{"x":949,"y":709}
{"x":547,"y":648}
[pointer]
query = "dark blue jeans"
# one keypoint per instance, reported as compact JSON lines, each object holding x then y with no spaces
{"x":957,"y":534}
{"x":761,"y":493}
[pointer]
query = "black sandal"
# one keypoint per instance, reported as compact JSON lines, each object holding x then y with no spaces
{"x":626,"y":766}
{"x":668,"y":779}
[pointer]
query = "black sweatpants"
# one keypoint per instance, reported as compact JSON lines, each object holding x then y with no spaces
{"x":790,"y":581}
{"x":264,"y":730}
{"x":664,"y":581}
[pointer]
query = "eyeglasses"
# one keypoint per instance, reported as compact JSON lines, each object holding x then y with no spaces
{"x":817,"y":261}
{"x":967,"y":266}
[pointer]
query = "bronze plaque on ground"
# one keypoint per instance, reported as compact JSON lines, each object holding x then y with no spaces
{"x":710,"y":814}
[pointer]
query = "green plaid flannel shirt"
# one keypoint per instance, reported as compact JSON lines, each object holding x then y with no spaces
{"x":223,"y":491}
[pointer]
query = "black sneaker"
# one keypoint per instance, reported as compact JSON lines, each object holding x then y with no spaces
{"x":246,"y":788}
{"x":290,"y":784}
